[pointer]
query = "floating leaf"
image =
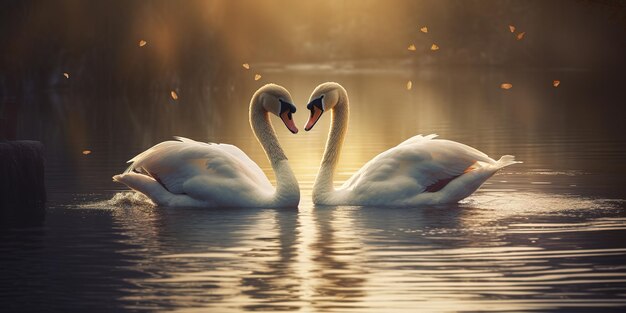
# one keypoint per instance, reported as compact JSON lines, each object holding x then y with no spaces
{"x":174,"y":95}
{"x":257,"y":76}
{"x":142,"y":43}
{"x":67,"y":75}
{"x":411,"y":47}
{"x":246,"y":66}
{"x":434,"y":47}
{"x":409,"y":85}
{"x":424,"y":29}
{"x":512,"y":28}
{"x":506,"y":86}
{"x":556,"y":83}
{"x":86,"y":152}
{"x":520,"y":36}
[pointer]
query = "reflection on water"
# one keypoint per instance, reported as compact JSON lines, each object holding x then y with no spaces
{"x":545,"y":235}
{"x":530,"y":251}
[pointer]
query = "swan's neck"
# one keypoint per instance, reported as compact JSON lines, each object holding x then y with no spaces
{"x":287,"y":189}
{"x":339,"y":126}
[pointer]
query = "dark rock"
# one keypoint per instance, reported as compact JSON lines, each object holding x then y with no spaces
{"x":22,"y":188}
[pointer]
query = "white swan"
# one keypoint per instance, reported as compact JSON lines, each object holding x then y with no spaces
{"x":196,"y":174}
{"x":421,"y":170}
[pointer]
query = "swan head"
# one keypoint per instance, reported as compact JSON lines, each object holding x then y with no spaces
{"x":324,"y":98}
{"x":276,"y":99}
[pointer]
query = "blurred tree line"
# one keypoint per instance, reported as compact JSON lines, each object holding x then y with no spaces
{"x":118,"y":90}
{"x":203,"y":43}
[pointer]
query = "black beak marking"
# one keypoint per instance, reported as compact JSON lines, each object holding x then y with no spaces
{"x":316,"y":102}
{"x":286,"y":106}
{"x":311,"y":106}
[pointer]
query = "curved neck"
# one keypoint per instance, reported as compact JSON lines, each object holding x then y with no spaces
{"x":286,"y":183}
{"x":338,"y":128}
{"x":264,"y":132}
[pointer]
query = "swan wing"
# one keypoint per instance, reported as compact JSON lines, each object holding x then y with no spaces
{"x":175,"y":163}
{"x":253,"y":169}
{"x":418,"y":138}
{"x":413,"y":166}
{"x":255,"y":172}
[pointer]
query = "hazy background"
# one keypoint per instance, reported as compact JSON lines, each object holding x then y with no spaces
{"x":117,"y":99}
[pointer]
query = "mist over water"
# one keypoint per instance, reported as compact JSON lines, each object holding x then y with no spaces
{"x":544,"y":235}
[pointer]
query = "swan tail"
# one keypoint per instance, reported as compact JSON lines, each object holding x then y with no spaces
{"x":472,"y":178}
{"x":146,"y":185}
{"x":505,"y":161}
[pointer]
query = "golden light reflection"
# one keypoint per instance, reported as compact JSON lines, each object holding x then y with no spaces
{"x":305,"y":266}
{"x":367,"y":259}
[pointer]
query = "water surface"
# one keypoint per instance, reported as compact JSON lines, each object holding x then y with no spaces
{"x":545,"y":235}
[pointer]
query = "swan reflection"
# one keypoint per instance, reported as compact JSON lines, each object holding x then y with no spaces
{"x":474,"y":254}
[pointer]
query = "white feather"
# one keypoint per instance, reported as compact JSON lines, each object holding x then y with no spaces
{"x":420,"y":170}
{"x":185,"y":172}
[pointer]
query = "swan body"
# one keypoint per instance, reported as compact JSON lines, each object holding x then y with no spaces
{"x":421,"y":170}
{"x":188,"y":173}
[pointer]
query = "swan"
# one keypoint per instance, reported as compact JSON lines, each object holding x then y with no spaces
{"x":187,"y":173}
{"x":421,"y":170}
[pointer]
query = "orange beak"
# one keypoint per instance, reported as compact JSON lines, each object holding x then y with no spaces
{"x":286,"y":117}
{"x":315,"y":116}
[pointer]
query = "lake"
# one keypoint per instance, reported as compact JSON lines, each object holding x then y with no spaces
{"x":544,"y":235}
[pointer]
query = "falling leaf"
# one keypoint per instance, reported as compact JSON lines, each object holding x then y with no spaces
{"x":257,"y":76}
{"x":67,"y":75}
{"x":434,"y":47}
{"x":521,"y":35}
{"x":174,"y":95}
{"x":512,"y":28}
{"x":506,"y":86}
{"x":86,"y":152}
{"x":142,"y":43}
{"x":409,"y":85}
{"x":411,"y":47}
{"x":424,"y":29}
{"x":556,"y":83}
{"x":246,"y":66}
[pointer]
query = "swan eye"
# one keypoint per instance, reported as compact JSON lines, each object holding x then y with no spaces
{"x":318,"y":102}
{"x":286,"y":107}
